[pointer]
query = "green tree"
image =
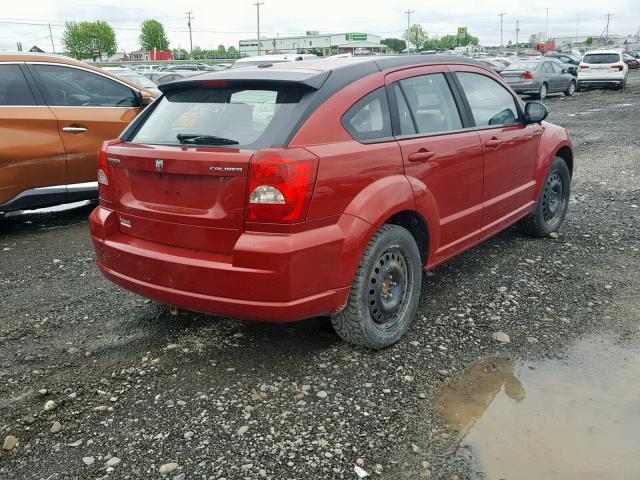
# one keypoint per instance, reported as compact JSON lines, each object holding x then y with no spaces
{"x":104,"y":39}
{"x":416,"y":36}
{"x":222,"y":52}
{"x":395,"y":44}
{"x":84,"y":40}
{"x":232,"y":52}
{"x":589,"y":41}
{"x":152,"y":36}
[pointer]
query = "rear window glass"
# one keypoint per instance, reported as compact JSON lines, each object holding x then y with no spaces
{"x":529,"y":66}
{"x":601,"y":58}
{"x":238,"y":117}
{"x":14,"y":89}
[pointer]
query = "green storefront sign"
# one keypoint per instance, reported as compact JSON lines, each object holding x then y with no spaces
{"x":356,"y":37}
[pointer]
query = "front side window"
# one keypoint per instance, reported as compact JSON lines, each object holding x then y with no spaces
{"x":74,"y":87}
{"x":369,"y":118}
{"x":14,"y":89}
{"x":431,"y":104}
{"x":547,"y":68}
{"x":490,"y":103}
{"x":244,"y":117}
{"x":556,"y":67}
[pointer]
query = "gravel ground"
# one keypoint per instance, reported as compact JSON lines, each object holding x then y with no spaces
{"x":96,"y":382}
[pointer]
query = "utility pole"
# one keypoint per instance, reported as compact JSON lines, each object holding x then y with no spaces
{"x":408,"y":12}
{"x":257,"y":4}
{"x":606,"y":29}
{"x":577,"y":25}
{"x":189,"y":15}
{"x":51,"y":37}
{"x":517,"y":32}
{"x":546,"y":26}
{"x":501,"y":15}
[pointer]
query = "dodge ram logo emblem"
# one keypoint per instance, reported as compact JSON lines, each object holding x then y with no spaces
{"x":159,"y":165}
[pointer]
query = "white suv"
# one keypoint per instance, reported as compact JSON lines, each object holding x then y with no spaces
{"x":602,"y":68}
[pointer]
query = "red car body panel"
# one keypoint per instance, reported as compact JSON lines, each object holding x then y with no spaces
{"x":182,"y":237}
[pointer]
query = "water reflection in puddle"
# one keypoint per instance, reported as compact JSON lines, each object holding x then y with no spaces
{"x":576,"y":418}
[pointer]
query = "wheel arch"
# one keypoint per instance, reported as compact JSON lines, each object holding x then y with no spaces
{"x":416,"y":225}
{"x":566,"y":154}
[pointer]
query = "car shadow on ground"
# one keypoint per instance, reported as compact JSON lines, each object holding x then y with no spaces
{"x":28,"y":221}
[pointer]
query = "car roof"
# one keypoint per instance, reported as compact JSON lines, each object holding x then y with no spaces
{"x":314,"y":73}
{"x":63,"y":60}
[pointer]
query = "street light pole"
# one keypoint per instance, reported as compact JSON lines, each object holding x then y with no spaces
{"x":501,"y":15}
{"x":257,"y":4}
{"x":517,"y":32}
{"x":408,"y":12}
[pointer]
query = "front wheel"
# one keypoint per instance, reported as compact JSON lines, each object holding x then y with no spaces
{"x":553,"y":202}
{"x":385,"y":291}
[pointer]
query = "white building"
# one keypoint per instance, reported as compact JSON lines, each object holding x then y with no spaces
{"x":313,"y":42}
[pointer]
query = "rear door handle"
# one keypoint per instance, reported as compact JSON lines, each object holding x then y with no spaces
{"x":74,"y":129}
{"x":421,"y":155}
{"x":492,"y":143}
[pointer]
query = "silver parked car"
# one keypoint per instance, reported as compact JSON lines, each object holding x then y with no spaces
{"x":539,"y":77}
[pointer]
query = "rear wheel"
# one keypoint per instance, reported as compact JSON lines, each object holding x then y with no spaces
{"x":385,"y":291}
{"x":542,"y":93}
{"x":571,"y":89}
{"x":553,"y":202}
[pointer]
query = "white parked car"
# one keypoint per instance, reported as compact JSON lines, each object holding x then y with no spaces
{"x":267,"y":59}
{"x":602,"y":68}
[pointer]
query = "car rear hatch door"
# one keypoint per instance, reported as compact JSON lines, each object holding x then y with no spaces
{"x":180,"y":177}
{"x":186,"y":197}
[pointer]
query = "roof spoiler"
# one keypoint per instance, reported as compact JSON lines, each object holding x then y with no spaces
{"x":311,"y":79}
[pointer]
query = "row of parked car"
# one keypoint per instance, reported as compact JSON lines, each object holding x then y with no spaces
{"x":563,"y":72}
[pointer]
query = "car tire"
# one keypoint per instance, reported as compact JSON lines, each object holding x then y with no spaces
{"x":578,"y":87}
{"x":391,"y":265}
{"x":552,"y":204}
{"x":571,"y":89}
{"x":542,"y":93}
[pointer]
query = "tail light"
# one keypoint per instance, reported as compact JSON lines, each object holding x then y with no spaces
{"x":619,"y":68}
{"x":280,"y":185}
{"x":584,"y":67}
{"x":527,"y":75}
{"x":103,"y":171}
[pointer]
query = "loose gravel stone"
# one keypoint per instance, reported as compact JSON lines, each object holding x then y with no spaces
{"x":9,"y":442}
{"x":168,"y":467}
{"x":56,"y":427}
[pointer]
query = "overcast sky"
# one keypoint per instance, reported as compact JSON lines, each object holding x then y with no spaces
{"x":226,"y":22}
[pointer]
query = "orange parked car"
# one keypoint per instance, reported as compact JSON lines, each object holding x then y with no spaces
{"x":54,"y":114}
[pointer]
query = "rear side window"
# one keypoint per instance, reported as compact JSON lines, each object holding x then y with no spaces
{"x":547,"y":68}
{"x":431,"y":104}
{"x":245,"y":117}
{"x":601,"y":58}
{"x":74,"y":87}
{"x":368,"y":120}
{"x":14,"y":89}
{"x":490,"y":103}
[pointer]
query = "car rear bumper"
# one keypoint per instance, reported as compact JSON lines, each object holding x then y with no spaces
{"x":600,"y":80}
{"x":271,"y":277}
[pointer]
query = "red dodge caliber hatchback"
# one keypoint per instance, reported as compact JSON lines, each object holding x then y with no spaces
{"x":323,"y":187}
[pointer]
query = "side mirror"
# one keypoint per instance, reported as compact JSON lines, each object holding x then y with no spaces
{"x":535,"y":112}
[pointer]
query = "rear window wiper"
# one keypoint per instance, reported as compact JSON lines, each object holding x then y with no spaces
{"x":198,"y":139}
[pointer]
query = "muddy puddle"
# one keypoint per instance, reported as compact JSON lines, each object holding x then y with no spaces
{"x":572,"y":419}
